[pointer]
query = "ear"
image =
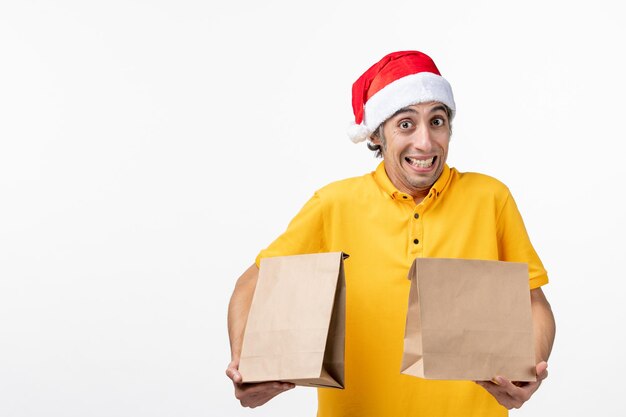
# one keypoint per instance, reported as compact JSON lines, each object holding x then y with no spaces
{"x":375,"y":139}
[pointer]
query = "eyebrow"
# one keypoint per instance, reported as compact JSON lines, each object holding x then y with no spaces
{"x":403,"y":110}
{"x":440,"y":107}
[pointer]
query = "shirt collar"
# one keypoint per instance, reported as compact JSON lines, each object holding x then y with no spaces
{"x":383,"y":181}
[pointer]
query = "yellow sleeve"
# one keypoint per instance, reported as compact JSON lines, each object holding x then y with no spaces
{"x":303,"y":235}
{"x":515,"y":245}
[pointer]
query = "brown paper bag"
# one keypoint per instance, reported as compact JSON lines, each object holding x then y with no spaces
{"x":296,"y":325}
{"x":469,"y":320}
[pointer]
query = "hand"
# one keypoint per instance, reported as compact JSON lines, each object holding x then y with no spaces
{"x":256,"y":394}
{"x":514,"y":394}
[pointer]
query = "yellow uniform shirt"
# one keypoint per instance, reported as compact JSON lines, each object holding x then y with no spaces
{"x":466,"y":215}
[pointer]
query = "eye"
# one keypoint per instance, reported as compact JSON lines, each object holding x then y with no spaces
{"x":439,"y":121}
{"x":405,"y":124}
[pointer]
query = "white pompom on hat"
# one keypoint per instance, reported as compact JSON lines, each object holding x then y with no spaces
{"x":398,"y":80}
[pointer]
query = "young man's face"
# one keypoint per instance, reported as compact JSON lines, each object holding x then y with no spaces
{"x":416,"y":147}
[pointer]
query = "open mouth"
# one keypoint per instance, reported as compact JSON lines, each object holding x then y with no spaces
{"x":421,"y":163}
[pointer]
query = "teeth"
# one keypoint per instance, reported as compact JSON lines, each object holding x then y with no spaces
{"x":421,"y":163}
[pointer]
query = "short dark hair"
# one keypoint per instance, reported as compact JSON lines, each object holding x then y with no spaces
{"x":377,"y":134}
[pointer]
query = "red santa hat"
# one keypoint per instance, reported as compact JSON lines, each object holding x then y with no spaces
{"x":398,"y":80}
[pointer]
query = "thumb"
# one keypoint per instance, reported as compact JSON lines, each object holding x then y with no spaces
{"x":542,"y":369}
{"x":233,"y":373}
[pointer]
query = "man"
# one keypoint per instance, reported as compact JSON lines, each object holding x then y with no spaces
{"x":413,"y":205}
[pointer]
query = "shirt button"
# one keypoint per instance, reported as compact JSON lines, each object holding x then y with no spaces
{"x":405,"y":197}
{"x":416,"y":241}
{"x":417,"y":216}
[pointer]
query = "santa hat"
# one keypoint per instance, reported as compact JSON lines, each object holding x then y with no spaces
{"x":398,"y":80}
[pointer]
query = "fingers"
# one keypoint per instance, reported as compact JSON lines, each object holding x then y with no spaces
{"x":507,"y":386}
{"x":503,"y":393}
{"x":254,"y":395}
{"x":496,"y":392}
{"x":514,"y":394}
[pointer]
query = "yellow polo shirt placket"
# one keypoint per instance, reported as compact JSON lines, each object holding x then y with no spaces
{"x":415,"y":237}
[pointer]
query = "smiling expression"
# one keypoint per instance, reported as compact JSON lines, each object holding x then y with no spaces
{"x":415,"y":147}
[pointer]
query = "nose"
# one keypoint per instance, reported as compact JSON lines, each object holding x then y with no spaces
{"x":422,"y":139}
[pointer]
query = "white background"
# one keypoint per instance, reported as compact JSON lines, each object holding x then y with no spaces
{"x":149,"y":150}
